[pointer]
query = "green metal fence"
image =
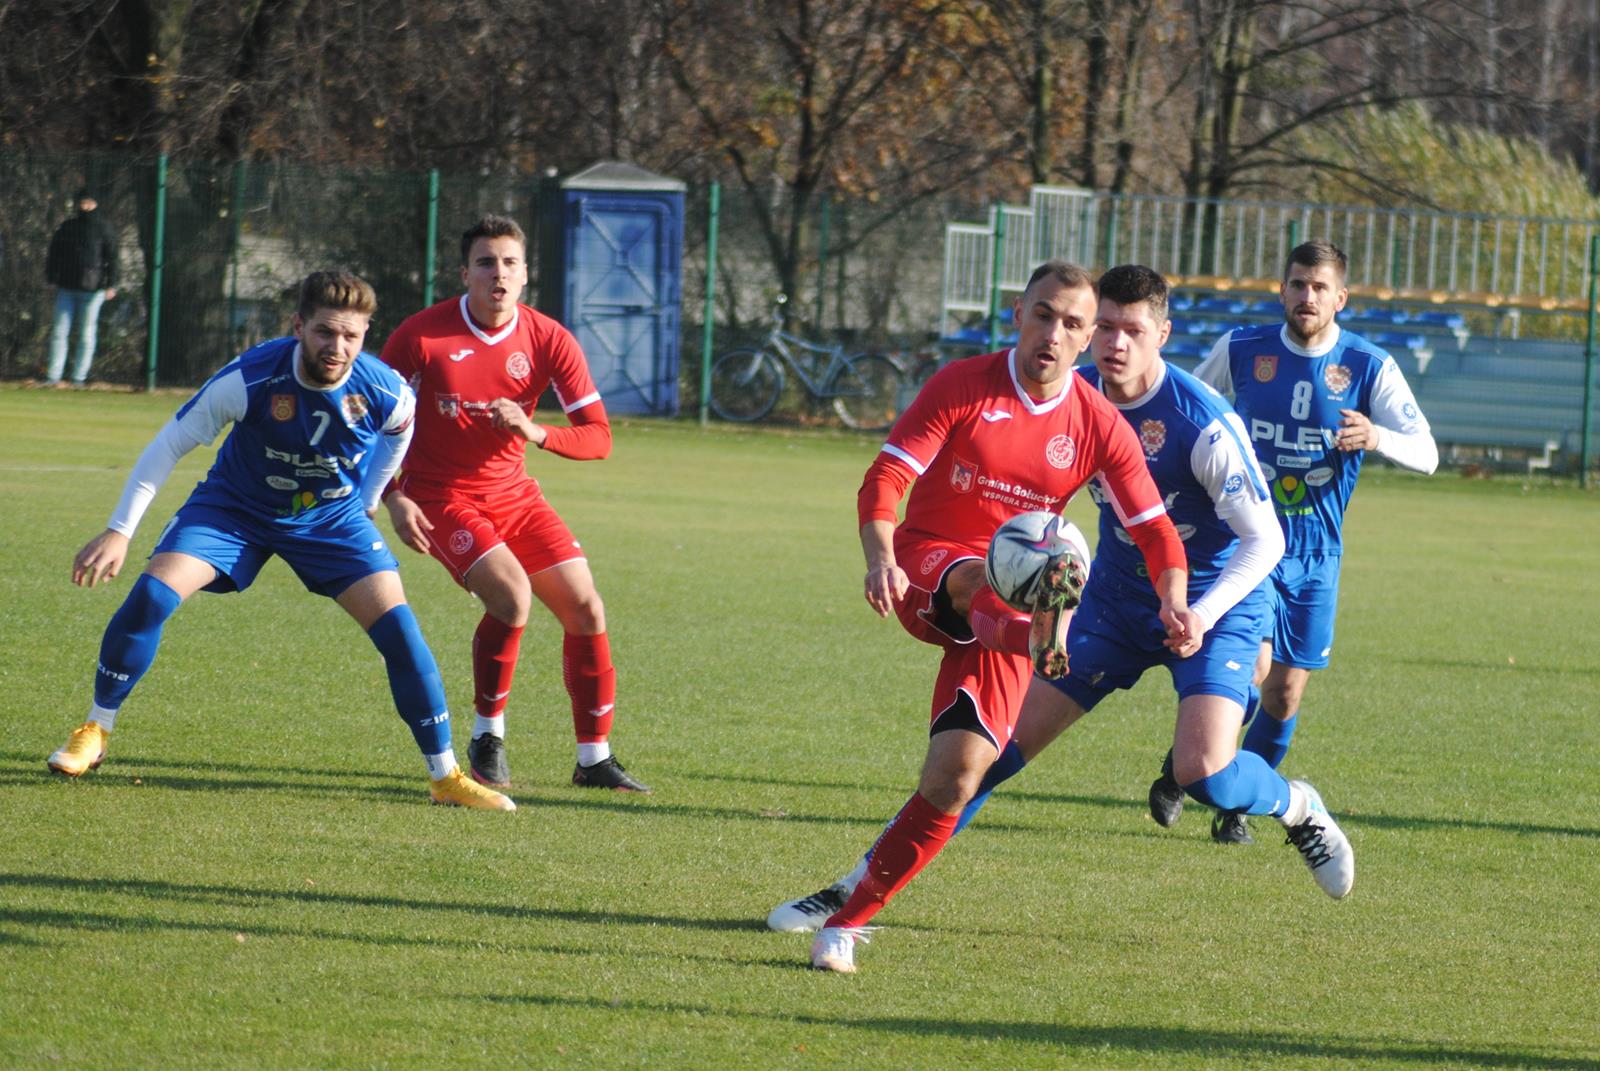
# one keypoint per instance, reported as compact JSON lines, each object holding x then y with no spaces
{"x":238,"y":237}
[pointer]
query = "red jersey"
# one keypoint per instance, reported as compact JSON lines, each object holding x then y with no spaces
{"x":981,"y":451}
{"x":457,"y":369}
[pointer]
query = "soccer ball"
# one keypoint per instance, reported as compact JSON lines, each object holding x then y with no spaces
{"x":1020,"y":550}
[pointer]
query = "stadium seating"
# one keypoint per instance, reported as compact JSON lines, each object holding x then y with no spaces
{"x":1484,"y":397}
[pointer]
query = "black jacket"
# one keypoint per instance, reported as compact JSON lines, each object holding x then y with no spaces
{"x":83,"y":254}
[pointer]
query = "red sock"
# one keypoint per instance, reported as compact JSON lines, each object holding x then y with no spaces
{"x":494,"y":663}
{"x":591,"y":682}
{"x":917,"y":834}
{"x":996,"y":625}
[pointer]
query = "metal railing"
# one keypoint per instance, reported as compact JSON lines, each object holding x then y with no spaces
{"x":1469,"y":259}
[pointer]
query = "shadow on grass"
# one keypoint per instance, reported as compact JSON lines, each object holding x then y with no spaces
{"x":246,"y":898}
{"x":28,"y":762}
{"x":624,"y":802}
{"x":1112,"y":803}
{"x":1154,"y":1043}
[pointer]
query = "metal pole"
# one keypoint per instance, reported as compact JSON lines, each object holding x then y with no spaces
{"x":822,"y":258}
{"x":237,"y":224}
{"x":158,"y":263}
{"x":998,"y":260}
{"x":428,"y":266}
{"x":1589,"y":356}
{"x":1111,"y":235}
{"x":713,"y":219}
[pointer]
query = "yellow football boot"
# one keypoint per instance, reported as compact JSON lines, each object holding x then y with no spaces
{"x":84,"y":750}
{"x":456,"y":789}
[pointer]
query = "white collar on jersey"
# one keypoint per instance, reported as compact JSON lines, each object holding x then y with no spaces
{"x":1161,"y":377}
{"x":488,"y":339}
{"x":300,"y":379}
{"x":1283,"y":333}
{"x":1022,"y":395}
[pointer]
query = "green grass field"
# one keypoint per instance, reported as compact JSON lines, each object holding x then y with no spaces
{"x":254,"y":878}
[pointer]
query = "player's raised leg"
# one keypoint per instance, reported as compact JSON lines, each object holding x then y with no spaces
{"x":568,"y":590}
{"x":129,"y":644}
{"x":377,"y":602}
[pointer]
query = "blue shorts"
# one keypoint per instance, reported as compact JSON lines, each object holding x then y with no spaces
{"x":1305,"y":599}
{"x":1114,"y":638}
{"x":328,"y":556}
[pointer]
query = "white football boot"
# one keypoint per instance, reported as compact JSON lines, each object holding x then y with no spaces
{"x":810,"y":912}
{"x":1323,"y":845}
{"x":835,"y":948}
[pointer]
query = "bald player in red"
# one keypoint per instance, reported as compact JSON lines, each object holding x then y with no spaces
{"x":989,"y":437}
{"x":479,"y":364}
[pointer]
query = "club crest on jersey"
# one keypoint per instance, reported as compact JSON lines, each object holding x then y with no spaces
{"x":962,"y":474}
{"x":1153,"y":436}
{"x":1337,"y":377}
{"x":460,"y":541}
{"x":931,"y":562}
{"x":449,"y":405}
{"x":283,"y":407}
{"x":1061,"y":452}
{"x":355,"y":407}
{"x":1266,"y":367}
{"x":517,"y":366}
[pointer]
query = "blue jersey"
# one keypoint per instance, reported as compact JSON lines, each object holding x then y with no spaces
{"x":1197,"y":452}
{"x":296,"y":454}
{"x":1290,"y":400}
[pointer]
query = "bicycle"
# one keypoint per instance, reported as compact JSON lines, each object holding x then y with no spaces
{"x":863,"y":387}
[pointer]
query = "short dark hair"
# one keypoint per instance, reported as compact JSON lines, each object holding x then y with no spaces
{"x":1314,"y":254}
{"x":1129,"y":284}
{"x":340,"y":291}
{"x":1068,"y":274}
{"x":492,"y":227}
{"x":84,"y":194}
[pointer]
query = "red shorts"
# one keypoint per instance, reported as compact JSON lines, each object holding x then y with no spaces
{"x":993,"y":681}
{"x":466,"y":526}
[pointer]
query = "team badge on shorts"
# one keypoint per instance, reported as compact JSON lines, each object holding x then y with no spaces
{"x":460,"y":541}
{"x":1061,"y":452}
{"x":449,"y":405}
{"x":355,"y":407}
{"x":1337,"y":377}
{"x":962,"y":474}
{"x":517,"y":366}
{"x":931,"y":562}
{"x":1266,"y":367}
{"x":1153,"y":436}
{"x":283,"y":407}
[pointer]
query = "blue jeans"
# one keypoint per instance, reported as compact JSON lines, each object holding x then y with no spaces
{"x":84,"y":307}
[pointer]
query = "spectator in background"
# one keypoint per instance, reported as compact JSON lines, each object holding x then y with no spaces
{"x":82,"y":269}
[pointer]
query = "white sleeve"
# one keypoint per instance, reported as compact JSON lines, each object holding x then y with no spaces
{"x":219,"y":403}
{"x":1403,"y":433}
{"x":1215,"y":370}
{"x":1227,"y":468}
{"x":390,"y":450}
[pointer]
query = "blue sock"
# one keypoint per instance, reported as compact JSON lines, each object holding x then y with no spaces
{"x":1247,"y":784}
{"x":413,"y":678}
{"x":1007,"y":766}
{"x":131,"y":639}
{"x":1269,"y":738}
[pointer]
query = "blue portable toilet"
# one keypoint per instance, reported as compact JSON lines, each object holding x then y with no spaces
{"x":611,"y":269}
